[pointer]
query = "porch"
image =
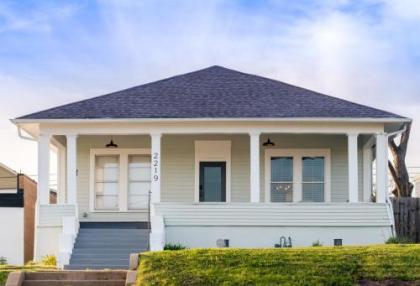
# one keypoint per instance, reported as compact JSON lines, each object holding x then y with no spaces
{"x":314,"y":177}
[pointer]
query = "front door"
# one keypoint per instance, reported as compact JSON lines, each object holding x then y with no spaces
{"x":212,"y":181}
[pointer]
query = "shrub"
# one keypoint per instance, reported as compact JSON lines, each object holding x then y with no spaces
{"x":316,"y":243}
{"x":176,"y":246}
{"x":49,"y":260}
{"x":398,"y":240}
{"x":284,"y":266}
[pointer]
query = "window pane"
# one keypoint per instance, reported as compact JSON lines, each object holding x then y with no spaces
{"x":139,"y":168}
{"x":138,"y":202}
{"x":107,"y":168}
{"x":313,"y":179}
{"x":313,"y":192}
{"x":282,"y":179}
{"x":106,"y":202}
{"x":282,"y":169}
{"x":139,"y":188}
{"x":313,"y":169}
{"x":212,"y":184}
{"x":107,"y":182}
{"x":281,"y":192}
{"x":139,"y":177}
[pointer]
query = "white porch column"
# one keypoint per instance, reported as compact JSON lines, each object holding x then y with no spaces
{"x":255,"y":166}
{"x":353,"y":168}
{"x":71,"y":169}
{"x":367,"y":172}
{"x":43,"y":188}
{"x":156,"y":161}
{"x":381,"y":168}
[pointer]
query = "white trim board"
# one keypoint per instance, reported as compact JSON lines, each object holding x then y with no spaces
{"x":297,"y":155}
{"x":212,"y":151}
{"x":123,"y":188}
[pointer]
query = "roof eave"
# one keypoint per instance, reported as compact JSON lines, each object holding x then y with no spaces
{"x":18,"y":121}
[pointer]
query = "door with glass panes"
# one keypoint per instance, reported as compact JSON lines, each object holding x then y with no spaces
{"x":122,"y":182}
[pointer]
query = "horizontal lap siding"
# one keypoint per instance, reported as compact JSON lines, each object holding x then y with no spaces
{"x":274,"y":215}
{"x":178,"y":159}
{"x":178,"y":166}
{"x":52,"y":215}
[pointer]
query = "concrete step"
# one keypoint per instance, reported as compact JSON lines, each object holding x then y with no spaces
{"x":105,"y":245}
{"x":99,"y":261}
{"x":113,"y":240}
{"x":113,"y":231}
{"x":93,"y":251}
{"x":76,"y":275}
{"x":93,"y":267}
{"x":73,"y":282}
{"x":101,"y":256}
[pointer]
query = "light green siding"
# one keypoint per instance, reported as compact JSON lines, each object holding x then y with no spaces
{"x":177,"y":173}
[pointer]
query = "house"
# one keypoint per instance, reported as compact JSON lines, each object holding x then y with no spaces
{"x":17,"y":215}
{"x":225,"y":158}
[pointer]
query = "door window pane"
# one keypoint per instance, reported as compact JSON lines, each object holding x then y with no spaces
{"x":139,"y":181}
{"x":281,"y":179}
{"x":313,"y":185}
{"x":212,"y":181}
{"x":106,"y":182}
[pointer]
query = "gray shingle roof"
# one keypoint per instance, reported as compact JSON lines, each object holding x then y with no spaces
{"x":214,"y":92}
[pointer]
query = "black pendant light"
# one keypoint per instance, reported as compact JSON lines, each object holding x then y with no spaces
{"x":268,"y":143}
{"x":111,"y":144}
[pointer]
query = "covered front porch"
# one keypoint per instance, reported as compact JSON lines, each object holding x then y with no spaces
{"x":199,"y":177}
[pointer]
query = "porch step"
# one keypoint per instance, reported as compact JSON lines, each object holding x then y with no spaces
{"x":84,"y":278}
{"x":108,"y":247}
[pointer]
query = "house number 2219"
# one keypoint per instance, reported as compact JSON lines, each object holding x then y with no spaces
{"x":155,"y":162}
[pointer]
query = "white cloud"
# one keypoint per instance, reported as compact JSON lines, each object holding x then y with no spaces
{"x":366,"y":53}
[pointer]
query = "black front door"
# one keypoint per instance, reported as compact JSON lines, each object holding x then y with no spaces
{"x":212,"y":181}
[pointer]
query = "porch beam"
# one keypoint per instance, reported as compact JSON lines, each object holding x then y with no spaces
{"x":71,"y":169}
{"x":255,"y":166}
{"x":381,"y":167}
{"x":126,"y":128}
{"x":353,"y":168}
{"x":43,"y":169}
{"x":156,"y":162}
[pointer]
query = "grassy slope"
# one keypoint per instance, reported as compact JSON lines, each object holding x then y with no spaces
{"x":296,"y":266}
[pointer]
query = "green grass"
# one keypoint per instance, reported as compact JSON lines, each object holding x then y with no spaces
{"x":6,"y":269}
{"x":295,"y":266}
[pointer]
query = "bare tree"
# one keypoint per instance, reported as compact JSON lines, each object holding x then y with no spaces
{"x":398,"y":168}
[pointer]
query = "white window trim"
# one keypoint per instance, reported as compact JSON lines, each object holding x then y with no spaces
{"x":123,"y":179}
{"x":297,"y":155}
{"x":212,"y":151}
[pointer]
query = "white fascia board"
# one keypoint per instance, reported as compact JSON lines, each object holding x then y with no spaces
{"x":288,"y":119}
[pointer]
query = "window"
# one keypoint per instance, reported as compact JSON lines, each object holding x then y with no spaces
{"x":313,"y":179}
{"x":107,"y":182}
{"x":281,"y":179}
{"x":297,"y":175}
{"x":139,"y":174}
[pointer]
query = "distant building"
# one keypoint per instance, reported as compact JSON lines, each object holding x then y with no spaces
{"x":18,"y":195}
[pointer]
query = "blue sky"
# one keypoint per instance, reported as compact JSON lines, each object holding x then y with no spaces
{"x":55,"y":52}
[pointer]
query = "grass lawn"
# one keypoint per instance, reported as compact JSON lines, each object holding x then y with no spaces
{"x":6,"y":269}
{"x":295,"y":266}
